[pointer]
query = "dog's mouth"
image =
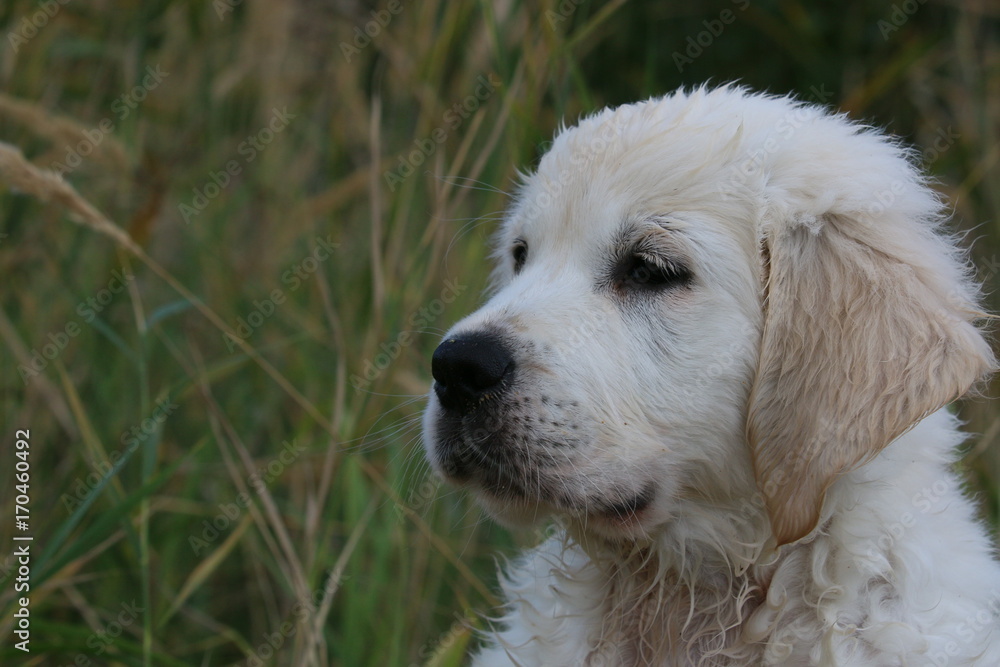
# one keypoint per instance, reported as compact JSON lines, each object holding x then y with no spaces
{"x":519,"y":489}
{"x":620,"y":515}
{"x":521,"y":476}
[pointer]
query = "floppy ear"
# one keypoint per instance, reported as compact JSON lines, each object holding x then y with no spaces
{"x":867,"y":329}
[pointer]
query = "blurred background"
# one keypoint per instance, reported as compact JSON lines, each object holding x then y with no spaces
{"x":223,"y":398}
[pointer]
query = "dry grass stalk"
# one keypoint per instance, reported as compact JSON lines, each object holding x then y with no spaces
{"x":49,"y":186}
{"x":62,"y":131}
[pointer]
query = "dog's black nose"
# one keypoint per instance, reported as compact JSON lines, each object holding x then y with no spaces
{"x":468,"y":367}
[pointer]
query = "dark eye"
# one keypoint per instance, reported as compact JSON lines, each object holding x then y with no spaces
{"x":646,"y":272}
{"x":520,"y":254}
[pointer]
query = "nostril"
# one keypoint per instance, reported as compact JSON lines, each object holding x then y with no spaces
{"x":468,"y":366}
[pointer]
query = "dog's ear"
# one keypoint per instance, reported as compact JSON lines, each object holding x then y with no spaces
{"x":868,"y":327}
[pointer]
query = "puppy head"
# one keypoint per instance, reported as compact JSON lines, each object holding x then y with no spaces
{"x":685,"y":277}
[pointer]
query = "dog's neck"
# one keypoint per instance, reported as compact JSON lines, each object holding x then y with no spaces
{"x":677,"y":588}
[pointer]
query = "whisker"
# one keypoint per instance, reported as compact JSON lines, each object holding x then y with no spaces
{"x":463,"y":182}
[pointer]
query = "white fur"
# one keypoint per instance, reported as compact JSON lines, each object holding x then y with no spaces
{"x":783,"y":410}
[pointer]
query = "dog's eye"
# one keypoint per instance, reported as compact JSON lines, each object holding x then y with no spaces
{"x":653,"y":273}
{"x":520,"y":254}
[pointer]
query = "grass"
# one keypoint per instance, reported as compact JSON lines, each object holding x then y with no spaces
{"x":218,"y":328}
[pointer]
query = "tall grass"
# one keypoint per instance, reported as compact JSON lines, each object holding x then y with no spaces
{"x":268,"y":219}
